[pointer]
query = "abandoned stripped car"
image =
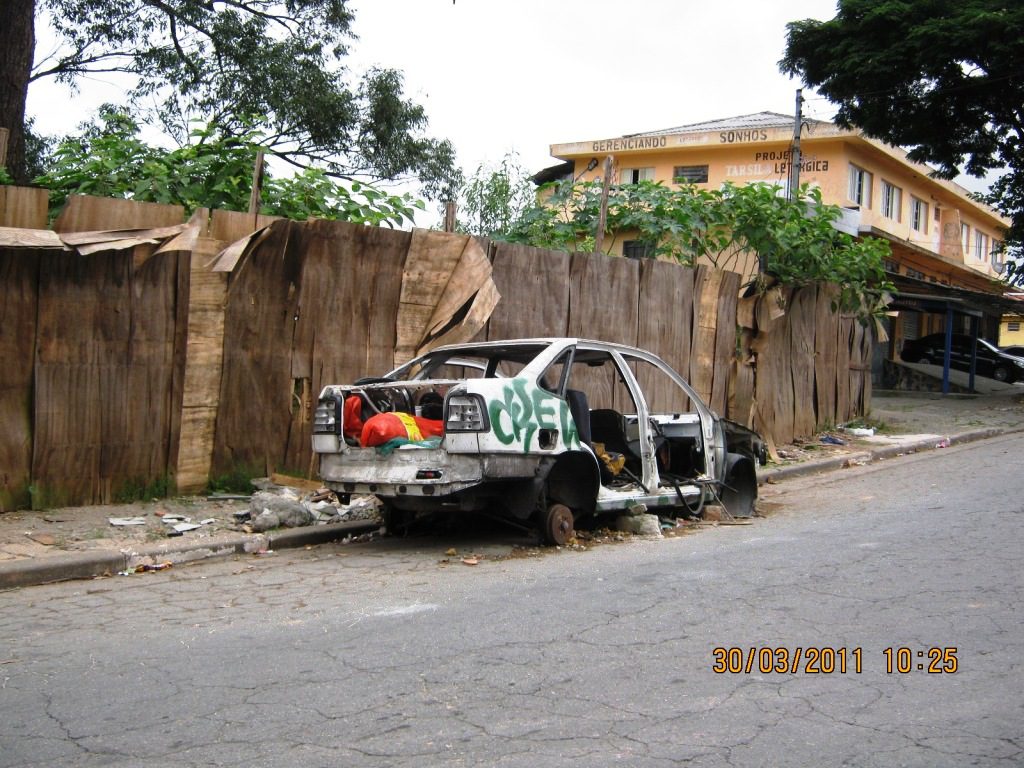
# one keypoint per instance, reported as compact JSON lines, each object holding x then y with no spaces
{"x":539,"y":432}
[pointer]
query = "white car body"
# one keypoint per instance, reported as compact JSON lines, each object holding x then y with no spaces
{"x":524,"y":444}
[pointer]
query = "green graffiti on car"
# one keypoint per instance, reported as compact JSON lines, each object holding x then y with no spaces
{"x":525,"y":409}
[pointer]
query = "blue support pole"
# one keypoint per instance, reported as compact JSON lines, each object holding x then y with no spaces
{"x":974,"y":351}
{"x":949,"y":350}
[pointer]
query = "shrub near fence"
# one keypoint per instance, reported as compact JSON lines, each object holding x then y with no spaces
{"x":146,"y":361}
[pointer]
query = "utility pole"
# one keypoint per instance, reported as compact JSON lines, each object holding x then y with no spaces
{"x":794,"y":155}
{"x":602,"y":218}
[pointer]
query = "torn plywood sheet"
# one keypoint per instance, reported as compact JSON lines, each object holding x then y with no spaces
{"x":13,"y":237}
{"x":447,"y":292}
{"x":229,"y":258}
{"x":186,"y":239}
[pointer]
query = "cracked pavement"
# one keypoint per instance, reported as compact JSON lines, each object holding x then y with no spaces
{"x":380,"y":654}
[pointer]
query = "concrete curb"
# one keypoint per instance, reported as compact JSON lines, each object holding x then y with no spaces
{"x":88,"y":565}
{"x":876,"y":454}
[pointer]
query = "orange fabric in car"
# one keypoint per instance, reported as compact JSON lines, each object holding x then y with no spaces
{"x":353,"y":419}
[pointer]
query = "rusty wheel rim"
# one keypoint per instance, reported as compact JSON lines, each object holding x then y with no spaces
{"x":559,"y":524}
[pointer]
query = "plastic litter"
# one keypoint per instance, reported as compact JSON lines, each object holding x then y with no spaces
{"x":860,"y":431}
{"x":830,"y":440}
{"x":943,"y":443}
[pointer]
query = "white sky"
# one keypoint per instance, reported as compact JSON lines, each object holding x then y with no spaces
{"x":520,"y":75}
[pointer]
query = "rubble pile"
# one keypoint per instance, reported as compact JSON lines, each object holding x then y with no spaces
{"x":281,"y":506}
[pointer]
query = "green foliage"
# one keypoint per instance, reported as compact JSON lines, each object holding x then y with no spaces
{"x":221,"y":63}
{"x":494,"y":198}
{"x":238,"y":480}
{"x":795,"y":241}
{"x":214,"y":171}
{"x":943,"y":77}
{"x":140,"y":489}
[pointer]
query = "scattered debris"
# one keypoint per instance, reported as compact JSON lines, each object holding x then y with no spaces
{"x":859,"y":431}
{"x":125,"y":521}
{"x":943,"y":443}
{"x":153,"y":567}
{"x":451,"y":552}
{"x":185,"y":527}
{"x":45,"y":539}
{"x":470,"y":561}
{"x":831,"y":440}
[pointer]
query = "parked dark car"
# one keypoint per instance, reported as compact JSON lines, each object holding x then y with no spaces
{"x":991,"y":361}
{"x":1016,"y":351}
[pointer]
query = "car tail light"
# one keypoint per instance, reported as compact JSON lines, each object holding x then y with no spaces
{"x":465,"y":413}
{"x":327,"y":416}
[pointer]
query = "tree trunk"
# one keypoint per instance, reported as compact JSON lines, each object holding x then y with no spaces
{"x":17,"y":47}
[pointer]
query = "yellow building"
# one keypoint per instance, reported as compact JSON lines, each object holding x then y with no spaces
{"x":939,"y":236}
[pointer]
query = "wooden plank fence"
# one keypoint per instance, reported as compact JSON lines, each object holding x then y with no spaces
{"x":139,"y":359}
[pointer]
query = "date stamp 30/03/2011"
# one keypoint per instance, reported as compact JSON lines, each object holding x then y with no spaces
{"x":826,"y":660}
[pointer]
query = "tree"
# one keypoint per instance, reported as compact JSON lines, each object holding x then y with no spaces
{"x":795,"y":239}
{"x":944,"y":78}
{"x":212,"y":170}
{"x":228,"y":62}
{"x":494,"y":198}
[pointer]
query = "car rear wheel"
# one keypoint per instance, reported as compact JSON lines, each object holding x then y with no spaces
{"x":1001,"y":373}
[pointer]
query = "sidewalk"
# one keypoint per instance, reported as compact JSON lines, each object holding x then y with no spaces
{"x":38,"y":547}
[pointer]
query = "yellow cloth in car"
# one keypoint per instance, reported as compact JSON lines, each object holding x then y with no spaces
{"x":410,"y":425}
{"x":614,"y":462}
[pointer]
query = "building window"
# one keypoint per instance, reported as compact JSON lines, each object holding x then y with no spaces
{"x":1013,"y":325}
{"x":635,"y":175}
{"x":965,"y":239}
{"x":997,"y":251}
{"x":690,"y":174}
{"x":638,"y":249}
{"x":860,"y":186}
{"x":891,"y":266}
{"x":911,"y":272}
{"x":980,"y":245}
{"x":918,"y":215}
{"x":892,"y":201}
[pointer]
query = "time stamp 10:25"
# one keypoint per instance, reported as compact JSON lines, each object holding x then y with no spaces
{"x":823,"y":660}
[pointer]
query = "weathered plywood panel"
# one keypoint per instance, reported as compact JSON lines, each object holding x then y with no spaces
{"x":429,"y":265}
{"x":665,"y":326}
{"x":105,"y":376}
{"x":844,"y":337}
{"x":92,"y":214}
{"x":859,"y":369}
{"x":725,"y":340}
{"x":155,"y":371}
{"x":706,"y":286}
{"x":534,"y":288}
{"x":802,"y":312}
{"x":604,"y":298}
{"x":19,"y":283}
{"x":203,"y":367}
{"x":24,"y":207}
{"x":825,"y":352}
{"x":256,"y":385}
{"x":348,"y":301}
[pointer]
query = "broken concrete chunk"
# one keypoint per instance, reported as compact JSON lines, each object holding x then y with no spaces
{"x":289,"y":512}
{"x":641,"y":525}
{"x":124,"y":521}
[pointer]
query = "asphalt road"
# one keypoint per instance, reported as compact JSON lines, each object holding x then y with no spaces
{"x":380,"y":655}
